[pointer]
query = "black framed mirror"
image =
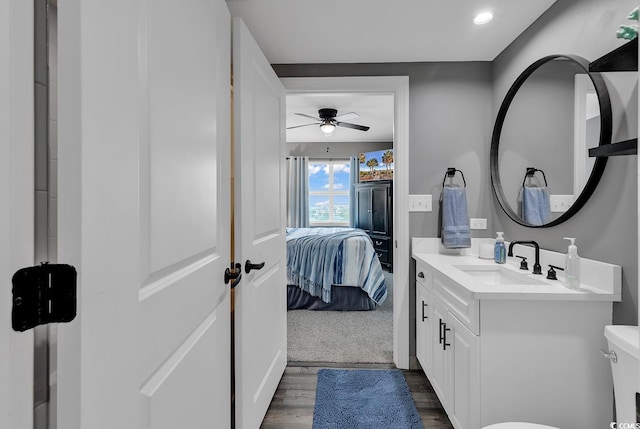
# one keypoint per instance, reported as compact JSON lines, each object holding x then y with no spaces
{"x":552,"y":114}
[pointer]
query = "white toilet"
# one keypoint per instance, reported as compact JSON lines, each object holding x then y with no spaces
{"x":623,"y":352}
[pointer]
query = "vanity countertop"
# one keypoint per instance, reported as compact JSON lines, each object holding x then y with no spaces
{"x":548,"y":290}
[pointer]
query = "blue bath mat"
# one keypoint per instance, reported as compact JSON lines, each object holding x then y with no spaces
{"x":364,"y":399}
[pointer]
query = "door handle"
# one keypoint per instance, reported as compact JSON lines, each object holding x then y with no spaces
{"x":233,"y":276}
{"x":248,"y":266}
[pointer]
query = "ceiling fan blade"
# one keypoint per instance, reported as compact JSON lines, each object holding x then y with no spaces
{"x":303,"y":125}
{"x":308,"y":116}
{"x":354,"y":126}
{"x":347,"y":116}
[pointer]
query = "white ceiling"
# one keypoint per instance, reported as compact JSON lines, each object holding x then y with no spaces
{"x":373,"y":31}
{"x":376,"y":111}
{"x":357,"y":31}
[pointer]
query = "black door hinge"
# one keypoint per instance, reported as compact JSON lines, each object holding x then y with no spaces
{"x":43,"y":294}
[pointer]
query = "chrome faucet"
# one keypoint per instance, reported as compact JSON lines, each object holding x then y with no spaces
{"x":537,"y":269}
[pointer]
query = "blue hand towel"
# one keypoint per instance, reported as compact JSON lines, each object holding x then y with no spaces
{"x":536,"y":205}
{"x":455,"y":219}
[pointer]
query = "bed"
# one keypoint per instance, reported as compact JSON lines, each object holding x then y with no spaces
{"x":333,"y":269}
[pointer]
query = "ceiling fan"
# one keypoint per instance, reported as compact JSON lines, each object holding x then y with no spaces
{"x":328,"y":120}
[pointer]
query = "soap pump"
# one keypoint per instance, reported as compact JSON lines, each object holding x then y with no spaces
{"x":499,"y":250}
{"x":572,"y":266}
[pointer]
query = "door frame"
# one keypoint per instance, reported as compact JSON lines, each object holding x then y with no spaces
{"x":17,"y":204}
{"x":398,"y":86}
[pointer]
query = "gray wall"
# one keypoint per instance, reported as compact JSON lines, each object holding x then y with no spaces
{"x":607,"y":227}
{"x":449,"y":126}
{"x":452,"y":109}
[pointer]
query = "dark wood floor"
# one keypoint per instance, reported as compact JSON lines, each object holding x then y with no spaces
{"x":292,"y":406}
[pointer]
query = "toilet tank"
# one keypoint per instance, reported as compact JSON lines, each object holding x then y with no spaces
{"x":623,"y":342}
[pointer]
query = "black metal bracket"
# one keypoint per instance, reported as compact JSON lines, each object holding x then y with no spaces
{"x":233,"y":276}
{"x":451,"y":172}
{"x":43,"y":294}
{"x":531,"y":171}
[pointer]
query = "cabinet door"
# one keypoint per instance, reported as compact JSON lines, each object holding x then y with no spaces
{"x":363,"y":209}
{"x":424,"y":343}
{"x":438,"y":366}
{"x":379,"y":210}
{"x":462,"y":364}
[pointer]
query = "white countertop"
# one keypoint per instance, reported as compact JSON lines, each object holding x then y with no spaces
{"x":549,"y":290}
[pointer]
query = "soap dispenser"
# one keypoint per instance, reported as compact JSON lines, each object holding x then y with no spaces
{"x":572,"y":266}
{"x":499,"y":250}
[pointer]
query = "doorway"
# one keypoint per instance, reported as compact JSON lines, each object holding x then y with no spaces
{"x":398,"y":87}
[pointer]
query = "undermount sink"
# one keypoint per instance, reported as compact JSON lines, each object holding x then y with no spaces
{"x":498,"y":275}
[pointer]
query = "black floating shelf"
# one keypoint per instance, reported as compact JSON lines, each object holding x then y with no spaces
{"x":627,"y":147}
{"x":623,"y":58}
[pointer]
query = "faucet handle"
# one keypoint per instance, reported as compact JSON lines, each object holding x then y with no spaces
{"x":551,"y":274}
{"x":523,"y":263}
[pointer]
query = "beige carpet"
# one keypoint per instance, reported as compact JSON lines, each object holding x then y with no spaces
{"x":342,"y":336}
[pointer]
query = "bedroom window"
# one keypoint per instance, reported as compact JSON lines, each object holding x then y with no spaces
{"x":329,"y":183}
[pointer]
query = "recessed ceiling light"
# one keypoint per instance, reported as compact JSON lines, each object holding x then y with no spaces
{"x":483,"y":18}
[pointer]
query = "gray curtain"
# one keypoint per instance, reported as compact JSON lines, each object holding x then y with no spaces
{"x":298,"y":192}
{"x":354,"y":176}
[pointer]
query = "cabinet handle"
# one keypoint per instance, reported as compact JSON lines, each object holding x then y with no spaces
{"x":444,"y":337}
{"x":440,"y":334}
{"x":421,"y":274}
{"x":423,"y":306}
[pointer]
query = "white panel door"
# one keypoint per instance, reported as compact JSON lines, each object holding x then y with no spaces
{"x":144,"y":215}
{"x":16,"y":205}
{"x":260,"y":306}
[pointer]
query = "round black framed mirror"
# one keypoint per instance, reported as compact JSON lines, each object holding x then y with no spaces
{"x":553,"y":113}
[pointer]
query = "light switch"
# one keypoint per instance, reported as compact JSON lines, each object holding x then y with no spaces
{"x":420,"y":203}
{"x":478,"y":223}
{"x":560,"y":203}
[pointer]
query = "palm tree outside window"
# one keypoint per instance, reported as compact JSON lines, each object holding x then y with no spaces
{"x":329,"y":187}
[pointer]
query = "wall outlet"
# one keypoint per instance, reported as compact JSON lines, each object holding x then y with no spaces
{"x":560,"y":203}
{"x":477,"y":223}
{"x":420,"y":203}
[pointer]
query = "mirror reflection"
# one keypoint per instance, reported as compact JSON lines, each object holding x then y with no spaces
{"x":542,"y":157}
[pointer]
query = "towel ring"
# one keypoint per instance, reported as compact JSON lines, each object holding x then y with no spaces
{"x":451,"y":172}
{"x":530,"y":172}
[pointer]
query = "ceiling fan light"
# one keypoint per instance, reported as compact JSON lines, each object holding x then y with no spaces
{"x":327,"y":127}
{"x":483,"y":18}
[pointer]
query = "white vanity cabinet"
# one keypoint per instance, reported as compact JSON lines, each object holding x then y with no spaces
{"x":496,"y":358}
{"x":447,"y":350}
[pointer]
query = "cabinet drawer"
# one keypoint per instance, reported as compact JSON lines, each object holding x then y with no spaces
{"x":458,"y":302}
{"x":423,"y":275}
{"x":383,"y":255}
{"x":381,"y":244}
